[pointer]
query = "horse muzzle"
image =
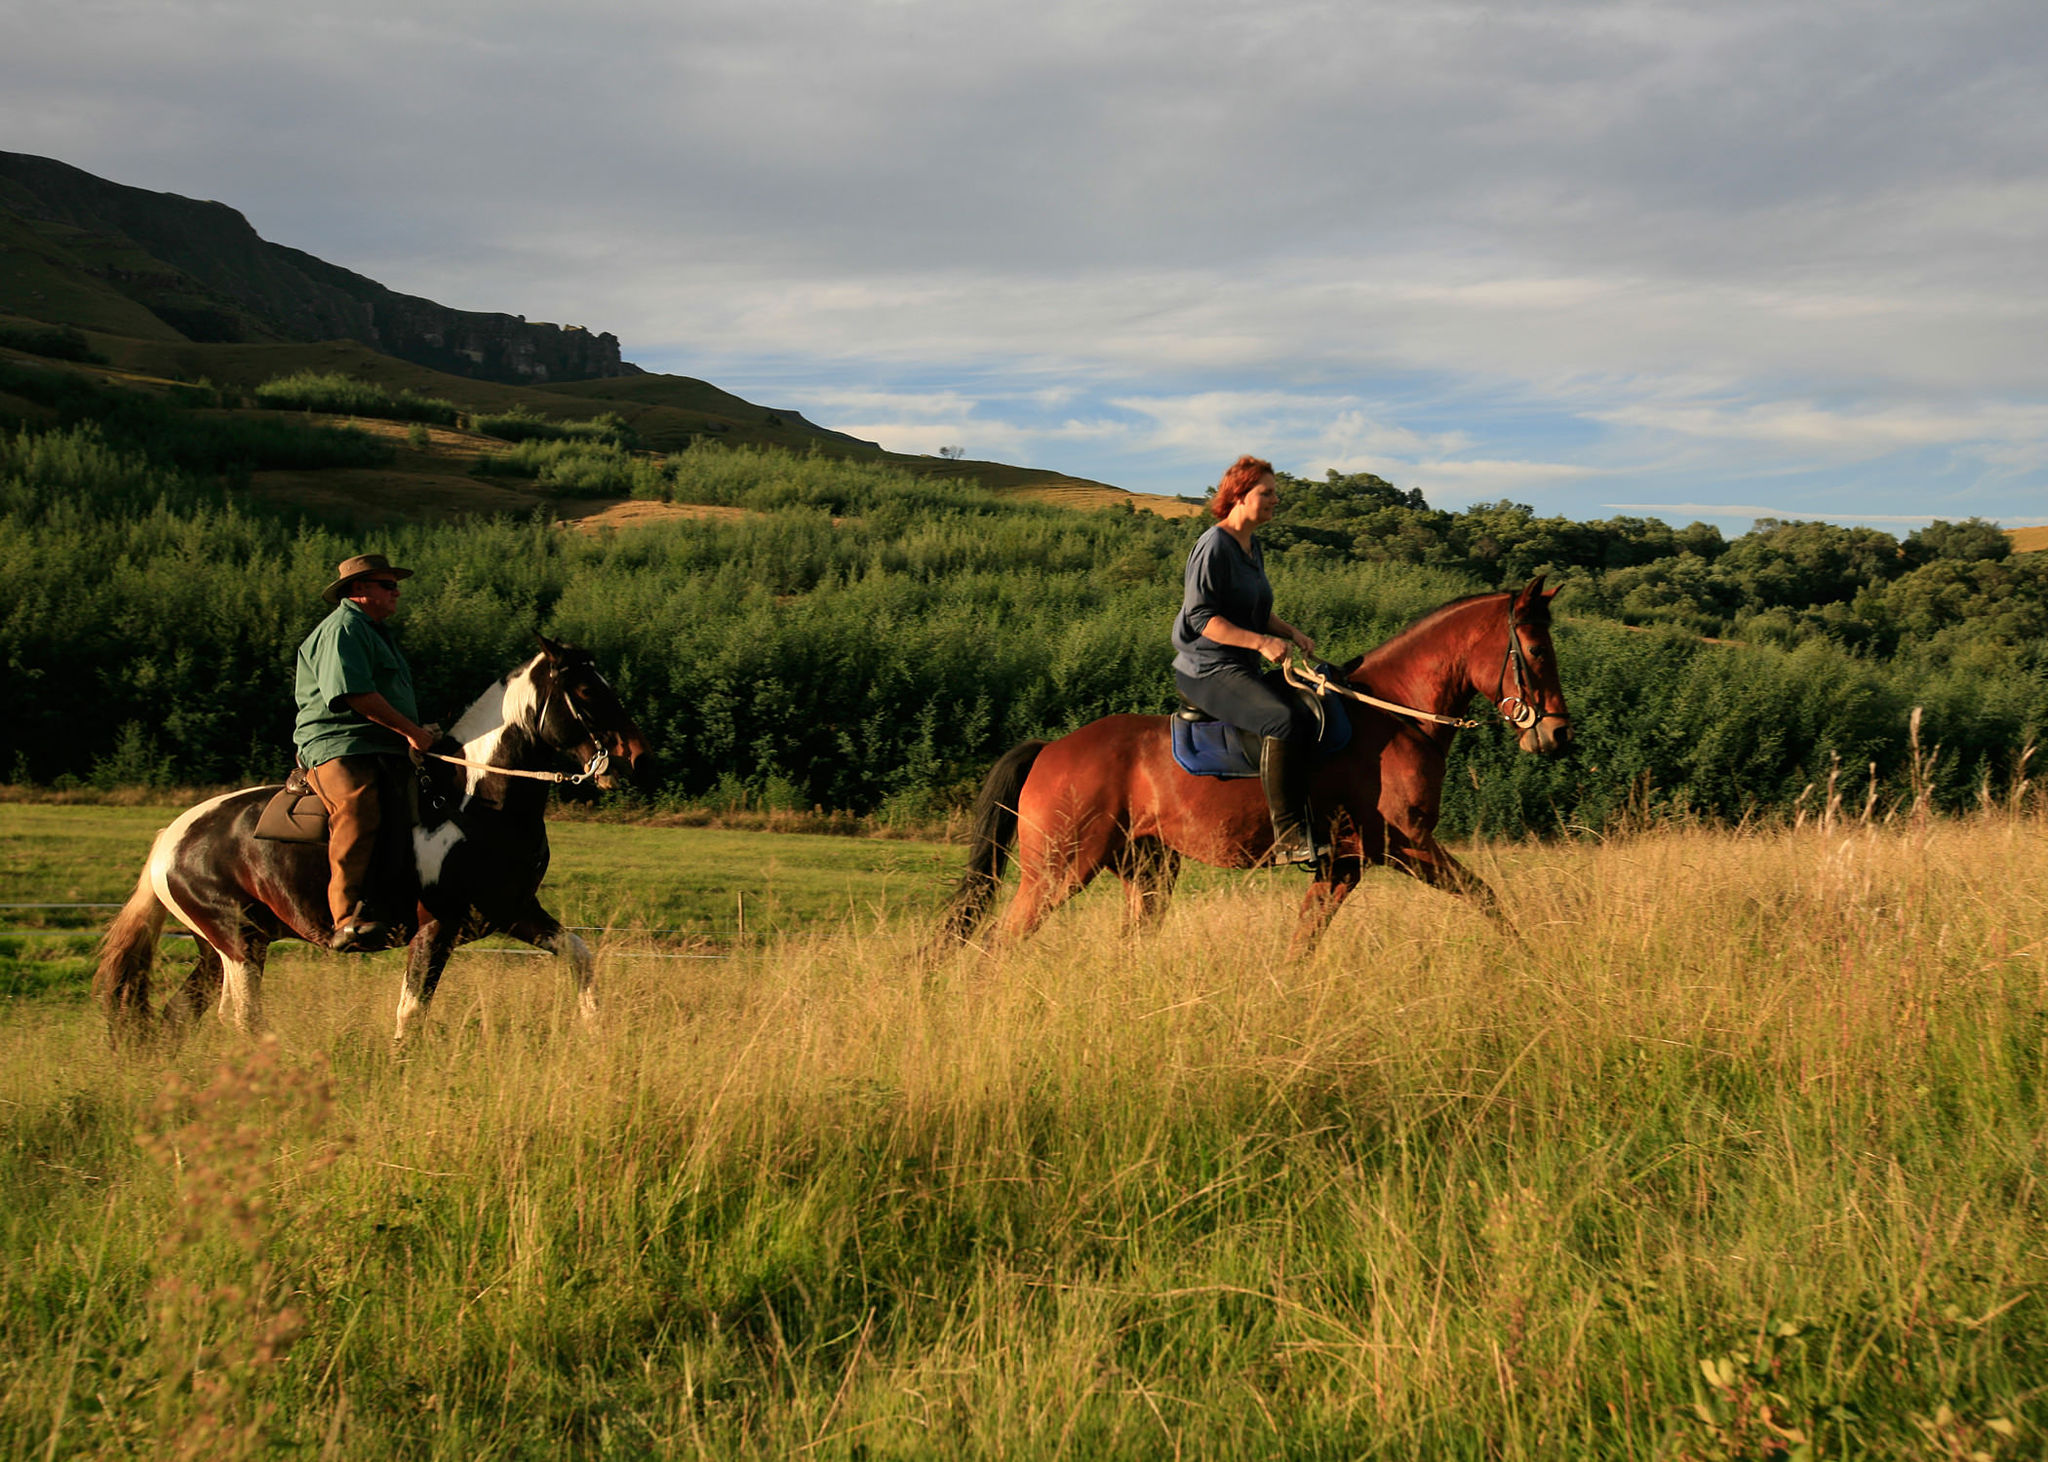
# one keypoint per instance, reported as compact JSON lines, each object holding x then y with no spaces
{"x":628,"y":765}
{"x":1551,"y":736}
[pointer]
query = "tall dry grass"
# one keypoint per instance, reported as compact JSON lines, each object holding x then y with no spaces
{"x":1737,"y":1150}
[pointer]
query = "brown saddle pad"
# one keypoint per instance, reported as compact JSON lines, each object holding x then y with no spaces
{"x":294,"y":815}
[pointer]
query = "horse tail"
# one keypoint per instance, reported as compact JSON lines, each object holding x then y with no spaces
{"x":127,"y":953}
{"x":994,"y":826}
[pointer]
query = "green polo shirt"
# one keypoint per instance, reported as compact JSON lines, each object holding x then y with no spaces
{"x":349,"y":653}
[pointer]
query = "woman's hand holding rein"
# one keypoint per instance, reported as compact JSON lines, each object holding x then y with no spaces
{"x":1273,"y":647}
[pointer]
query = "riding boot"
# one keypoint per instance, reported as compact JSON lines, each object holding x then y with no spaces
{"x":362,"y":932}
{"x":1283,"y":769}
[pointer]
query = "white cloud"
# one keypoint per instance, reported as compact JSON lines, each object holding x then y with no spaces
{"x":921,"y":406}
{"x":2020,"y":432}
{"x":1753,"y":511}
{"x":982,"y":438}
{"x":1485,"y":476}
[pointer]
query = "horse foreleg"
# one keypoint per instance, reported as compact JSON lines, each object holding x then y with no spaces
{"x":241,"y":981}
{"x":1319,"y":906}
{"x":425,"y":958}
{"x":1149,"y":869}
{"x":544,"y":931}
{"x":1426,"y":859}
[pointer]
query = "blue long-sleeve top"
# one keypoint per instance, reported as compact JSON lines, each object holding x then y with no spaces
{"x":1221,"y":579}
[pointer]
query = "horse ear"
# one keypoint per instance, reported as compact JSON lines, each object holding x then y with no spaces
{"x":1529,"y":594}
{"x":554,"y":648}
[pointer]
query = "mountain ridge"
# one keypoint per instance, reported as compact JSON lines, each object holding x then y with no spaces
{"x":217,"y":281}
{"x":163,"y":289}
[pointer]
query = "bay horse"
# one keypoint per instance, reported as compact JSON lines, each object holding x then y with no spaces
{"x":481,"y":849}
{"x":1111,"y":796}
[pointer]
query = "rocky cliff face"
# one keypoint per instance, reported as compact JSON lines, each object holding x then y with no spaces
{"x":204,"y":271}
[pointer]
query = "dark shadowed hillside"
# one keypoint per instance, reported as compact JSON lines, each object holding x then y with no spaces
{"x":81,"y":250}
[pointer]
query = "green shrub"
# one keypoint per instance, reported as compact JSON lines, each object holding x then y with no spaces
{"x":577,"y":469}
{"x":347,"y":396}
{"x":170,"y":434}
{"x":523,"y":425}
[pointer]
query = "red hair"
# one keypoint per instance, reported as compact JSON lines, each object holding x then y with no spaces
{"x":1245,"y":474}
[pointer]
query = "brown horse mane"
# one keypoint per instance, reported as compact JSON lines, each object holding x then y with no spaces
{"x":1537,"y":613}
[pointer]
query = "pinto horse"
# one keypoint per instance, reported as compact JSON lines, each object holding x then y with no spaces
{"x":481,"y":849}
{"x":1110,"y":795}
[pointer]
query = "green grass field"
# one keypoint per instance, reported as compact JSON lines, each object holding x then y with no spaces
{"x":1738,"y":1152}
{"x":699,"y":886}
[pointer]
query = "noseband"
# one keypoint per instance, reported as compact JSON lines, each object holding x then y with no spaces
{"x":599,"y":764}
{"x":1516,"y":708}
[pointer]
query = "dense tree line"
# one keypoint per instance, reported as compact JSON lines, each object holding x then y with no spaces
{"x":1782,"y":583}
{"x":867,"y":640}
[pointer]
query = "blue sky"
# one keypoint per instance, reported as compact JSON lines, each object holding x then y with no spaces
{"x":1700,"y":260}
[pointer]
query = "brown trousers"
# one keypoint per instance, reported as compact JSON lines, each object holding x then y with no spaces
{"x":370,"y":818}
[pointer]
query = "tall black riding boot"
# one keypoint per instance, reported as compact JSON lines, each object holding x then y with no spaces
{"x":1283,"y":769}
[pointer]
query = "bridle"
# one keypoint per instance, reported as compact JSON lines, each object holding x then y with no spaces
{"x":1517,"y":709}
{"x":599,"y":763}
{"x":1526,"y":715}
{"x":597,"y":766}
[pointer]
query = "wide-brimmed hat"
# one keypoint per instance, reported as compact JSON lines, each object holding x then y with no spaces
{"x":359,"y":567}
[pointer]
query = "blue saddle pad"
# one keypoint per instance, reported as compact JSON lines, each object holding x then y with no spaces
{"x":1211,"y":749}
{"x":1217,"y":749}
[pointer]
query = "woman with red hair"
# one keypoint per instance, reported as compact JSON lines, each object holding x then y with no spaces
{"x":1226,"y":623}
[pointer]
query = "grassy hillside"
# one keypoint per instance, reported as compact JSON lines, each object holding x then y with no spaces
{"x":48,"y":274}
{"x":429,"y":482}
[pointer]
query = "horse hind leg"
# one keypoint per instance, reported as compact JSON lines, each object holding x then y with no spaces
{"x":201,"y":988}
{"x":1149,"y":869}
{"x":1053,"y":867}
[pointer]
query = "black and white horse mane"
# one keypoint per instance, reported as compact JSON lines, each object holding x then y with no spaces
{"x":525,"y":717}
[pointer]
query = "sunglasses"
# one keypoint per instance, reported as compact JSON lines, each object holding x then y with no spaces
{"x":383,"y":583}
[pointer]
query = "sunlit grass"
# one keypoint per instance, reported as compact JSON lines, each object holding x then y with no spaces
{"x":1737,"y":1148}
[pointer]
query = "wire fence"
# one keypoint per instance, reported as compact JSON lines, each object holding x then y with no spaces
{"x":94,"y":933}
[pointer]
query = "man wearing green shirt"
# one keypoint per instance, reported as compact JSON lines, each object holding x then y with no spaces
{"x":354,"y":729}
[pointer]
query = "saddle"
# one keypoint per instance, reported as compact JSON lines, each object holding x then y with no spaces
{"x":1207,"y":747}
{"x":295,"y":814}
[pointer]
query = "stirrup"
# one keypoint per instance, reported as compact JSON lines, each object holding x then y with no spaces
{"x":362,"y":933}
{"x":1300,"y":851}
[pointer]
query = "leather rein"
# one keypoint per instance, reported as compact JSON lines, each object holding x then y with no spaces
{"x":1516,"y":708}
{"x":597,"y":766}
